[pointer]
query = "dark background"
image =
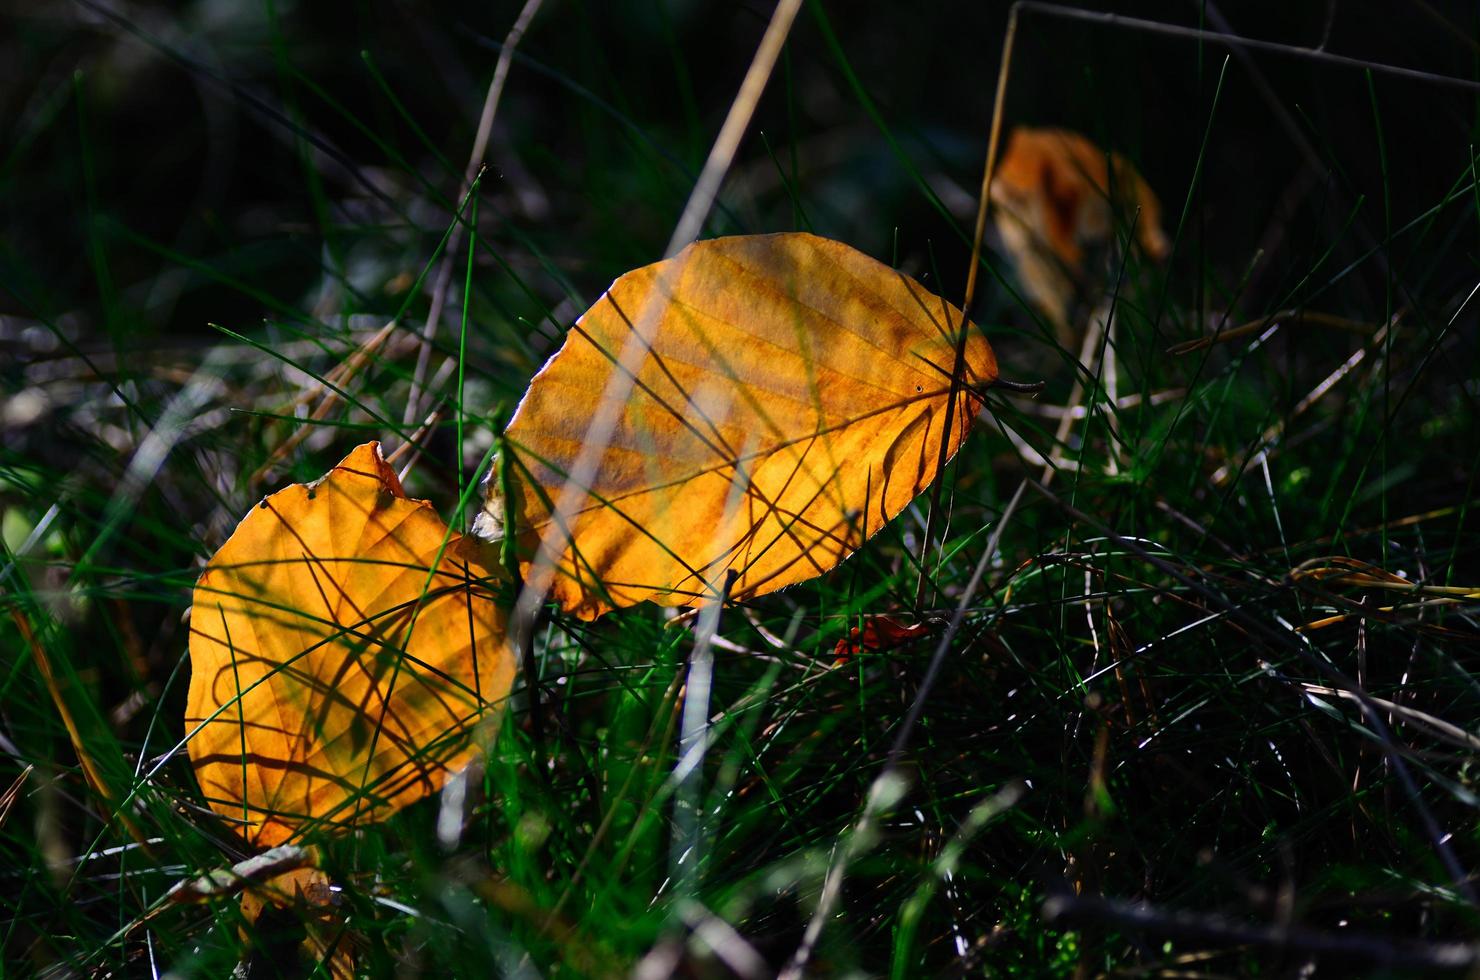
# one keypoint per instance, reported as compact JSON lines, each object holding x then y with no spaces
{"x":285,"y":170}
{"x":131,"y":129}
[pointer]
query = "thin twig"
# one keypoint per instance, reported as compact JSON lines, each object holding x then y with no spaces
{"x":1372,"y":951}
{"x":1444,"y":731}
{"x":888,"y":786}
{"x":906,"y":729}
{"x":1273,"y":433}
{"x":722,"y":154}
{"x":1236,"y":42}
{"x":686,"y":858}
{"x":575,"y":492}
{"x":475,"y":163}
{"x":1076,"y":396}
{"x":1224,"y":335}
{"x":334,"y":381}
{"x":994,"y":139}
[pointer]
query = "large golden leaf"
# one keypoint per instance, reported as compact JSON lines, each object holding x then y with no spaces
{"x":335,"y":677}
{"x":786,"y":397}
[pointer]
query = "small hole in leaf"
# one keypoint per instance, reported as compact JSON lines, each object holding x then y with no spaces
{"x":918,"y":388}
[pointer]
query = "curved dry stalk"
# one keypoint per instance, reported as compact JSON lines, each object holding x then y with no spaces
{"x":475,"y":163}
{"x":984,"y":203}
{"x":890,"y":785}
{"x":1273,"y":320}
{"x":634,"y":350}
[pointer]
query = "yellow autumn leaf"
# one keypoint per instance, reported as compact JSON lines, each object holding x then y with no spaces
{"x":335,"y":677}
{"x":1056,"y":197}
{"x":787,"y":397}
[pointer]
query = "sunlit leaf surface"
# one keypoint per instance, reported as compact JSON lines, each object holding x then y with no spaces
{"x":335,"y":677}
{"x":788,"y":398}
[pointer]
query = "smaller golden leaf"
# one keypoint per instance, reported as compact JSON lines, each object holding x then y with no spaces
{"x":335,"y":677}
{"x":1056,"y":197}
{"x":789,"y":396}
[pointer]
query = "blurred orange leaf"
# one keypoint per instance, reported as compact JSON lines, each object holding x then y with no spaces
{"x":1057,"y":195}
{"x":787,"y":398}
{"x":336,"y":677}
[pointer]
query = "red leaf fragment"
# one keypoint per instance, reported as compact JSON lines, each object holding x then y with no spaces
{"x":879,"y":633}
